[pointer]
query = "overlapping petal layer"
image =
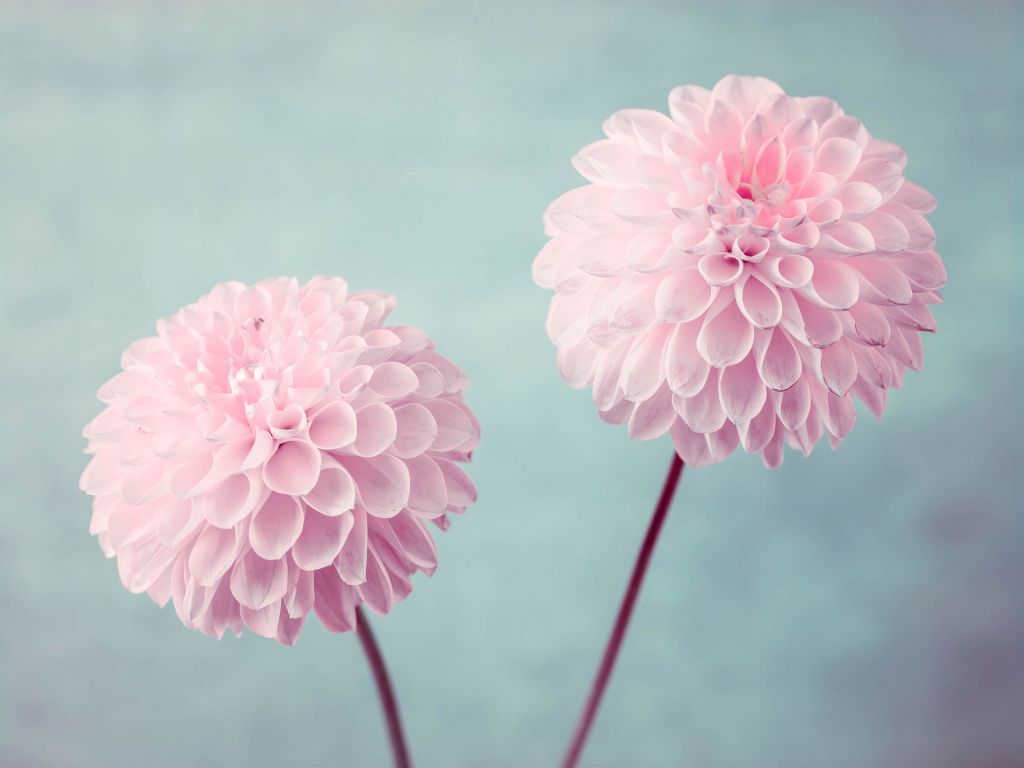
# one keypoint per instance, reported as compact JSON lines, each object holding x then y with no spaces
{"x":277,"y":449}
{"x":737,"y":272}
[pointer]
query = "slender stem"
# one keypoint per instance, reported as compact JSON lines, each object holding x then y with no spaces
{"x":384,"y":689}
{"x":611,"y":650}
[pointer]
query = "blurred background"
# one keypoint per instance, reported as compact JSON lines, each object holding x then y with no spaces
{"x":857,"y":609}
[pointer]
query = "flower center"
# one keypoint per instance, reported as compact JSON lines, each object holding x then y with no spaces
{"x":774,"y":196}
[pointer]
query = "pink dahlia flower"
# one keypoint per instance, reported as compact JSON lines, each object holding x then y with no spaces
{"x":277,"y":449}
{"x":736,"y":273}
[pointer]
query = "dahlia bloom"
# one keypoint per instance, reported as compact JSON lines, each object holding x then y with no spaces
{"x":737,"y":272}
{"x":277,"y":449}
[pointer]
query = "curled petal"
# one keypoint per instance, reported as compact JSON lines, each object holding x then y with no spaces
{"x":858,"y":198}
{"x":924,"y":269}
{"x":779,"y":363}
{"x":720,"y":269}
{"x":686,"y":370}
{"x":834,"y":284}
{"x":848,"y":238}
{"x":837,"y":156}
{"x":230,"y":502}
{"x":256,"y":583}
{"x":652,"y":417}
{"x":683,"y":296}
{"x":741,"y":391}
{"x":888,"y":232}
{"x":333,"y":427}
{"x":643,"y":207}
{"x":632,"y":304}
{"x":376,"y":428}
{"x":287,"y":422}
{"x":726,"y":338}
{"x":643,"y":370}
{"x":769,"y":166}
{"x":912,"y":196}
{"x":839,"y":368}
{"x":428,"y":496}
{"x":454,"y":426}
{"x":275,"y":526}
{"x":870,"y":324}
{"x":794,"y":405}
{"x":788,"y":271}
{"x":351,"y":561}
{"x":382,"y":483}
{"x":703,"y":412}
{"x":293,"y":468}
{"x":393,"y":380}
{"x":417,"y":543}
{"x":335,"y":602}
{"x":460,"y":489}
{"x":822,"y":327}
{"x":883,"y":283}
{"x":884,"y":176}
{"x":212,"y":555}
{"x":334,"y":492}
{"x":603,"y":254}
{"x":416,"y":429}
{"x":377,"y":591}
{"x":756,"y":433}
{"x":321,"y":539}
{"x":759,"y":302}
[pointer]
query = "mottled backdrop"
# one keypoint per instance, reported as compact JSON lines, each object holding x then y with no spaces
{"x":859,"y":609}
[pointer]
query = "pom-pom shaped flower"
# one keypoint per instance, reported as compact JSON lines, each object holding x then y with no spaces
{"x":737,"y":272}
{"x":277,"y":449}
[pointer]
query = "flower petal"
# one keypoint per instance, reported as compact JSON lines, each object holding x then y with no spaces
{"x":703,"y":412}
{"x":321,"y":539}
{"x":275,"y":526}
{"x":741,"y":391}
{"x":335,"y":602}
{"x":837,"y":156}
{"x":427,"y":494}
{"x":212,"y":554}
{"x":334,"y":492}
{"x":382,"y":483}
{"x":393,"y":380}
{"x":417,"y":543}
{"x":835,"y":284}
{"x":231,"y":501}
{"x":643,"y":370}
{"x":255,"y":582}
{"x":683,"y":296}
{"x":759,"y":302}
{"x":376,"y":591}
{"x":376,"y":428}
{"x":685,"y":369}
{"x":779,"y":363}
{"x":351,"y":561}
{"x":725,"y":338}
{"x":293,"y":469}
{"x":838,"y":367}
{"x":333,"y":427}
{"x":652,"y":417}
{"x":416,"y":430}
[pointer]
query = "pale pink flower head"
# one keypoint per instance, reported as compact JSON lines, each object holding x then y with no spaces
{"x":737,"y":272}
{"x":277,"y":449}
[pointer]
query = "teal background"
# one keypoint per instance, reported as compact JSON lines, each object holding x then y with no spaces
{"x":862,"y":608}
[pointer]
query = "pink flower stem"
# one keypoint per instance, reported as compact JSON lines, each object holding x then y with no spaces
{"x":387,"y":694}
{"x":611,"y":651}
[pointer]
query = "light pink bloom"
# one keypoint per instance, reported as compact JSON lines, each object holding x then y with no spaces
{"x":277,"y":449}
{"x":735,"y":273}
